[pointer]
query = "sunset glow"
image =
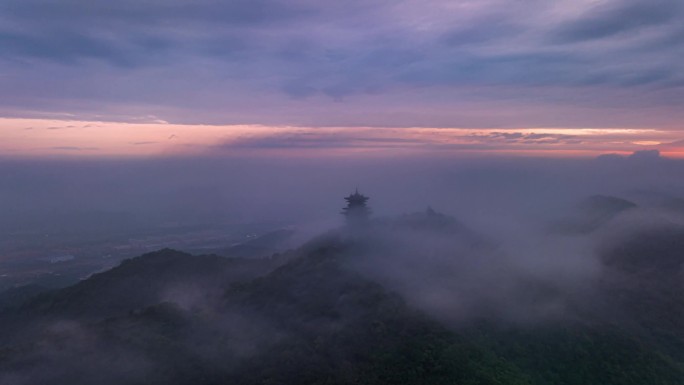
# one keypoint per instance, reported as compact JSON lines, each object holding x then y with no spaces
{"x":37,"y":137}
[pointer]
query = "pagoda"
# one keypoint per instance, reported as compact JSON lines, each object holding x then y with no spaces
{"x":356,"y":210}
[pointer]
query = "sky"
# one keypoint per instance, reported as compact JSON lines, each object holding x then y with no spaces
{"x":154,"y":78}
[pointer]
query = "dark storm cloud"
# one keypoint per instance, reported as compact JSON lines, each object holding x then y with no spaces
{"x":271,"y":61}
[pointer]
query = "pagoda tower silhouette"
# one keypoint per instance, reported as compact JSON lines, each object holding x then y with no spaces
{"x":356,"y":212}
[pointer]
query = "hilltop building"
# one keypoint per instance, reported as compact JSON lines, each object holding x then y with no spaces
{"x":357,"y":211}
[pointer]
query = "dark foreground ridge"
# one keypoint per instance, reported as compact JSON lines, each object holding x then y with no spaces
{"x":320,"y":315}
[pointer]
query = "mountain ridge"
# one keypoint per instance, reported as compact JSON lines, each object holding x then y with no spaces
{"x":313,"y":316}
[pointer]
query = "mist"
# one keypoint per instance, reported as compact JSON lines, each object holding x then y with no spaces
{"x":299,"y":190}
{"x":514,"y":242}
{"x":51,"y":208}
{"x":513,"y":203}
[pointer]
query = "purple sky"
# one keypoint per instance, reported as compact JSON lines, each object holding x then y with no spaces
{"x":486,"y":64}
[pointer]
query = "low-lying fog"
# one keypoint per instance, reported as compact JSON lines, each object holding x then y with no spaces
{"x":502,"y":192}
{"x":517,"y":241}
{"x":538,"y":213}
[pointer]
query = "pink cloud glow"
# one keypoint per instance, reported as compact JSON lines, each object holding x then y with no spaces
{"x":40,"y":138}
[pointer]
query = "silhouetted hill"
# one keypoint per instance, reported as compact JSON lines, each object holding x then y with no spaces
{"x":341,"y":328}
{"x":262,"y":246}
{"x":645,"y":275}
{"x":592,"y":213}
{"x":18,"y":295}
{"x":149,"y":279}
{"x":320,"y":315}
{"x":673,"y":204}
{"x":605,"y":205}
{"x":309,"y":321}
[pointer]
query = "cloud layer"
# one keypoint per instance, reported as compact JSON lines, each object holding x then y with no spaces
{"x":382,"y":63}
